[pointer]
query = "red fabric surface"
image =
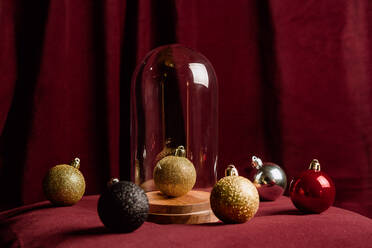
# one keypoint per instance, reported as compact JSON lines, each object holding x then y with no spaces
{"x":278,"y":223}
{"x":294,"y":80}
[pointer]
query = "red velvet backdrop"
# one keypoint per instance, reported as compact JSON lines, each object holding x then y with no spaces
{"x":294,"y":77}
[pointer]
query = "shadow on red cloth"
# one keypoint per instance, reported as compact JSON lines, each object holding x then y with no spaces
{"x":98,"y":230}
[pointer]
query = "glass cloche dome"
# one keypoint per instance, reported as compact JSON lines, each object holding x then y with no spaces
{"x":174,"y":102}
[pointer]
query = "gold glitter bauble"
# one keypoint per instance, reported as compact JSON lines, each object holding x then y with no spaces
{"x":64,"y":184}
{"x":234,"y":199}
{"x":175,"y":175}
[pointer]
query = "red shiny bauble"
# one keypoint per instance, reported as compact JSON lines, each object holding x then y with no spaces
{"x":313,"y":191}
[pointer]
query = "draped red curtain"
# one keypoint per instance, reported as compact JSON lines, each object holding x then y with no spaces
{"x":294,"y":78}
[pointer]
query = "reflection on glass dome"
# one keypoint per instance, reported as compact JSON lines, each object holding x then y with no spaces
{"x":173,"y":103}
{"x":199,"y":73}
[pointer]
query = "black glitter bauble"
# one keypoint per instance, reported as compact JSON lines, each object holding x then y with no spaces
{"x":123,"y":207}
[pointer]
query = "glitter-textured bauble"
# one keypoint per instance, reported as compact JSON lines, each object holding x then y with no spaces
{"x":123,"y":207}
{"x":64,"y":184}
{"x":174,"y":175}
{"x":269,"y":179}
{"x":313,"y":191}
{"x":234,"y":199}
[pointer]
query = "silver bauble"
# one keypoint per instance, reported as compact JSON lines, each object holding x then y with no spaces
{"x":269,"y":179}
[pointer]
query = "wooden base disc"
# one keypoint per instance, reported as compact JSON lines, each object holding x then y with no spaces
{"x":192,"y":208}
{"x":191,"y":218}
{"x":193,"y":201}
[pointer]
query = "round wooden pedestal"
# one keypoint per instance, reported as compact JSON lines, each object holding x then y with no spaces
{"x":192,"y":208}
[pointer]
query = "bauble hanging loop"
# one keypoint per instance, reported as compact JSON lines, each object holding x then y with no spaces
{"x":313,"y":191}
{"x":64,"y":184}
{"x":180,"y":152}
{"x":314,"y":165}
{"x":269,"y":179}
{"x":234,"y":199}
{"x":76,"y":163}
{"x":112,"y":181}
{"x":231,"y":171}
{"x":257,"y":162}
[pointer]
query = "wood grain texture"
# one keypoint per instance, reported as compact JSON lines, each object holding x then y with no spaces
{"x":192,"y":208}
{"x":191,"y":218}
{"x":193,"y":201}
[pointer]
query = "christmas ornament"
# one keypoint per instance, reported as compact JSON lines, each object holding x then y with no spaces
{"x":64,"y":184}
{"x":234,"y":199}
{"x":269,"y":179}
{"x":313,"y":191}
{"x":123,"y":207}
{"x":175,"y":175}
